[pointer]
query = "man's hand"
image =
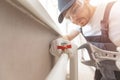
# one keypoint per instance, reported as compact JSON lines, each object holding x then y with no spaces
{"x":54,"y":46}
{"x":61,"y":45}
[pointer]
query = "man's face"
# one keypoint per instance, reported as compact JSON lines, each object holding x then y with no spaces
{"x":79,"y":14}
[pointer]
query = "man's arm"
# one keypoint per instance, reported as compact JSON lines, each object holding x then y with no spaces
{"x":71,"y":35}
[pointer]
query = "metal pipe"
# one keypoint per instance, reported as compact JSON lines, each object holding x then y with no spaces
{"x":74,"y":67}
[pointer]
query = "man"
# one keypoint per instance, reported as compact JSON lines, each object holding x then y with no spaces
{"x":81,"y":12}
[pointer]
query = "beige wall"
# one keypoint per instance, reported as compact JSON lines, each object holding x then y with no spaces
{"x":24,"y":46}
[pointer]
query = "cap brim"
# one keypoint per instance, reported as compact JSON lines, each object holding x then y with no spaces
{"x":61,"y":16}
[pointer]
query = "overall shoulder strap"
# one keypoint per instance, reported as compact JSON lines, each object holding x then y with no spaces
{"x":105,"y":21}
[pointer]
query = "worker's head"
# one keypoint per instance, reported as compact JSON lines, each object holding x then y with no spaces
{"x":78,"y":11}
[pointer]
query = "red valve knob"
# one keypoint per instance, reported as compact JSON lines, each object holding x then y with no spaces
{"x":64,"y":47}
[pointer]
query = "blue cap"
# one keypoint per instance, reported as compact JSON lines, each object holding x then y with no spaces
{"x":64,"y":5}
